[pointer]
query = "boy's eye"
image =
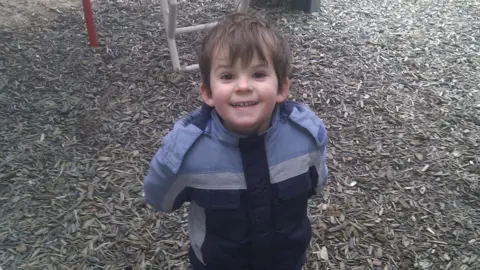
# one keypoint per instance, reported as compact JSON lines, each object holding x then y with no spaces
{"x":226,"y":76}
{"x":259,"y":75}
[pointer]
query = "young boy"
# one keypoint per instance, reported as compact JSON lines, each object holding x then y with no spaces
{"x":247,"y":160}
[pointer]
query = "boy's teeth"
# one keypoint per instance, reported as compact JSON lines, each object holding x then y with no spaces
{"x":244,"y":104}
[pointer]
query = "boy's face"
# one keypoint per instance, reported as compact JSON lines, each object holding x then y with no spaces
{"x":244,"y":96}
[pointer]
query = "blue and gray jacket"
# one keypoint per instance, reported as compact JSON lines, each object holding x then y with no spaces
{"x":248,"y":194}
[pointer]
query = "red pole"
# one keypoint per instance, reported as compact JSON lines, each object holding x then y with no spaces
{"x":92,"y":35}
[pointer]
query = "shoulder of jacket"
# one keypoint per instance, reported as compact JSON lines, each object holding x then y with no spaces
{"x":183,"y":135}
{"x":305,"y":118}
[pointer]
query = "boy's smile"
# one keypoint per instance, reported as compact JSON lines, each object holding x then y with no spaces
{"x":244,"y":104}
{"x":244,"y":94}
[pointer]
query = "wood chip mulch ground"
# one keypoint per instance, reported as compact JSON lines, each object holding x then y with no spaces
{"x":397,"y":82}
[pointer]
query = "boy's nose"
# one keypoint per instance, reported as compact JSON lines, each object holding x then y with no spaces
{"x":243,"y":84}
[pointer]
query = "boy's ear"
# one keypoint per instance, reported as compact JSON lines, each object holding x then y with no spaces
{"x":206,"y":94}
{"x":283,"y":91}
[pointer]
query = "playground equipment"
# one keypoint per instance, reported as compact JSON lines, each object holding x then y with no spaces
{"x":92,"y":33}
{"x":169,"y":10}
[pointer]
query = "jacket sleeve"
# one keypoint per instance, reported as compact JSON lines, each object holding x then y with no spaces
{"x":322,"y":168}
{"x":308,"y":119}
{"x":164,"y":189}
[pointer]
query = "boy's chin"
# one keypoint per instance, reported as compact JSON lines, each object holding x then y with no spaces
{"x":248,"y":128}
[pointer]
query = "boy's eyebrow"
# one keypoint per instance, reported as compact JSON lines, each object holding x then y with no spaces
{"x":228,"y":66}
{"x":260,"y":65}
{"x":222,"y":66}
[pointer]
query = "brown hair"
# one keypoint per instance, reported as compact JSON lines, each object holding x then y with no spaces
{"x":243,"y":34}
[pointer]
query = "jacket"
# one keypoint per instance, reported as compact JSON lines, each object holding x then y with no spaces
{"x":248,"y":195}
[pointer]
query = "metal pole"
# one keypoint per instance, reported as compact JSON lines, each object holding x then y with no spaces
{"x":170,"y":25}
{"x":92,"y":34}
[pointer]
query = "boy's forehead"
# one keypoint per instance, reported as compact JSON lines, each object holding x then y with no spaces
{"x":223,"y":57}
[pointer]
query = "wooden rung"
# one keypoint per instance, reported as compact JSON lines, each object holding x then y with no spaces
{"x":191,"y":67}
{"x":195,"y":28}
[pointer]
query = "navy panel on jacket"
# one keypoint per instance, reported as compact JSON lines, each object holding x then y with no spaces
{"x":259,"y":200}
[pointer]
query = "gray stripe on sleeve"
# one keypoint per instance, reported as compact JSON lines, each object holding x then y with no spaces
{"x":321,"y":182}
{"x":177,"y":187}
{"x":293,"y":167}
{"x":215,"y":181}
{"x":196,"y":229}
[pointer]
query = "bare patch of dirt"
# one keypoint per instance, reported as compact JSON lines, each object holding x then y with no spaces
{"x":19,"y":12}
